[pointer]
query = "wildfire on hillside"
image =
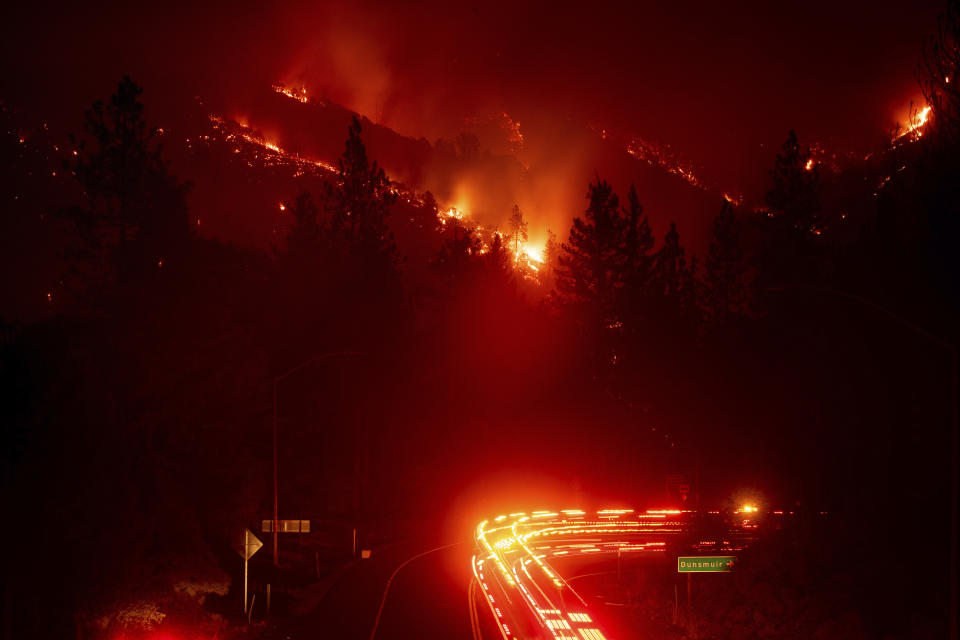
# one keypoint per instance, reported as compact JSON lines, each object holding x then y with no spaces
{"x":654,"y":155}
{"x":526,"y":259}
{"x":300,"y":95}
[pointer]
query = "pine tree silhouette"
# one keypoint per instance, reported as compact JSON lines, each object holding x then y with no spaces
{"x":591,"y":268}
{"x":640,"y":262}
{"x":498,"y":264}
{"x":305,"y":236}
{"x":792,"y":220}
{"x":725,"y":268}
{"x":358,"y":203}
{"x":136,"y":216}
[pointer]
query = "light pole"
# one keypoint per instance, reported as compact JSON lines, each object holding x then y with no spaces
{"x":276,"y":383}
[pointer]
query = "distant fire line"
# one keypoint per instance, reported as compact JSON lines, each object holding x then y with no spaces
{"x":527,"y":258}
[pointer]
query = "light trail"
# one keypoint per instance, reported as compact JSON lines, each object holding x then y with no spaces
{"x":513,"y":566}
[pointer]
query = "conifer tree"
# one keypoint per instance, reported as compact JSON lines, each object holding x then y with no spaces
{"x":725,"y":289}
{"x":795,"y":196}
{"x":518,"y":231}
{"x":674,"y":290}
{"x":591,"y":267}
{"x":136,"y":214}
{"x":939,"y":69}
{"x":358,"y":202}
{"x":428,"y":212}
{"x":639,"y":259}
{"x":792,"y":219}
{"x":459,"y":257}
{"x":497,"y":263}
{"x":306,"y":234}
{"x":551,"y":256}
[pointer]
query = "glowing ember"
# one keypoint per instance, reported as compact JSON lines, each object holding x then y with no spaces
{"x":516,"y":137}
{"x":237,"y":131}
{"x":735,"y":200}
{"x":661,"y":156}
{"x":299,"y":95}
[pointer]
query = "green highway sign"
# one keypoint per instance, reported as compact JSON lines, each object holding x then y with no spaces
{"x":705,"y":564}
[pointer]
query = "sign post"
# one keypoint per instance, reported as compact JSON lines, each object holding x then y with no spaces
{"x":700,"y":564}
{"x":248,"y":546}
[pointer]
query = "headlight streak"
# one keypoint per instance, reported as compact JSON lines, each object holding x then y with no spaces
{"x":529,"y":596}
{"x":478,"y":576}
{"x":522,"y":539}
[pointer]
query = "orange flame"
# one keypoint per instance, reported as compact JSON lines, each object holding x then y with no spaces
{"x":526,"y":259}
{"x":917,"y":122}
{"x":299,"y":95}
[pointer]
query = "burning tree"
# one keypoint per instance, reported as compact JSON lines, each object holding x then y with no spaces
{"x":938,"y":73}
{"x":518,"y":231}
{"x":551,"y":254}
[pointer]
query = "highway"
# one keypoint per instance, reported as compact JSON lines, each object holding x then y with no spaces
{"x":524,"y":563}
{"x":427,"y":593}
{"x":515,"y":579}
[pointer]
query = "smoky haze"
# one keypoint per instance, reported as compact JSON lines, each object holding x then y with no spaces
{"x":719,"y":84}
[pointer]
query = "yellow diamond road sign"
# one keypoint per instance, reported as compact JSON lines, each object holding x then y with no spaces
{"x":249,"y":545}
